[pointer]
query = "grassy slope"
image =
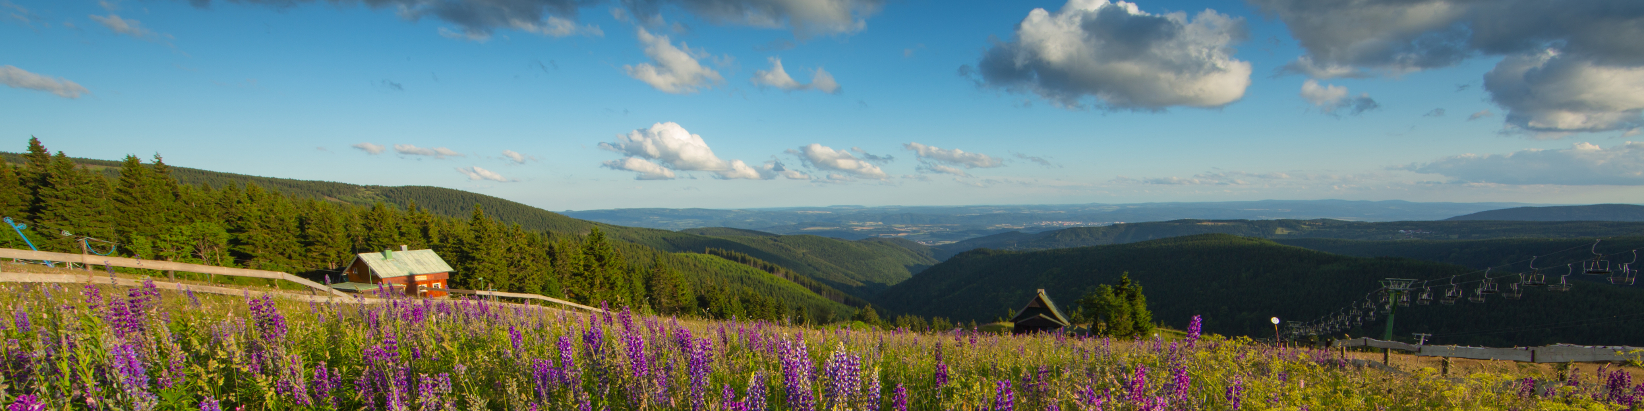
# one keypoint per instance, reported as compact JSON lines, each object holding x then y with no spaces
{"x":1238,"y":282}
{"x":861,"y":268}
{"x":711,"y":269}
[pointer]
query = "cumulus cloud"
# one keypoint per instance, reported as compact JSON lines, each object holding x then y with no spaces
{"x":778,"y":77}
{"x":1582,"y":164}
{"x":676,"y":69}
{"x":1480,"y":114}
{"x":436,"y":152}
{"x":1121,"y":56}
{"x":15,"y":77}
{"x":124,"y":26}
{"x":1556,"y":52}
{"x":368,"y":148}
{"x":477,"y":173}
{"x":840,"y":163}
{"x":937,"y":160}
{"x":1329,"y":98}
{"x":656,"y":152}
{"x":1552,"y":92}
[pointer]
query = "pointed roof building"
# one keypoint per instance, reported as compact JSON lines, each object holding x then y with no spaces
{"x":1040,"y":315}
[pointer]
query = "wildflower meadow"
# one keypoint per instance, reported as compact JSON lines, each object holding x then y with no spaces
{"x":86,"y":347}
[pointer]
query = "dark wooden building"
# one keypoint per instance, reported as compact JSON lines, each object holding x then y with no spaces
{"x":1040,"y":315}
{"x":413,"y":272}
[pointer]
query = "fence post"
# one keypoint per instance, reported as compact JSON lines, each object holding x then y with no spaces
{"x":1446,"y":366}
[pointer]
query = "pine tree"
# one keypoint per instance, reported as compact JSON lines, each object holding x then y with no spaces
{"x":1117,"y":310}
{"x":13,"y":196}
{"x":668,"y":291}
{"x":72,"y":201}
{"x":866,"y":315}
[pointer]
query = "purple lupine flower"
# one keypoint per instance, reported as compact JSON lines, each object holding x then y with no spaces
{"x":210,"y":404}
{"x":844,"y":379}
{"x":727,"y":400}
{"x":756,"y":393}
{"x":698,"y":367}
{"x":291,"y":382}
{"x":26,"y":403}
{"x":873,"y":394}
{"x":21,"y":319}
{"x":515,"y":338}
{"x":1182,"y":383}
{"x":899,"y":402}
{"x":1618,"y":386}
{"x":1138,"y":385}
{"x":323,"y":383}
{"x":796,"y":374}
{"x":546,"y":378}
{"x":567,"y":361}
{"x":270,"y":324}
{"x":1193,"y":328}
{"x":133,"y":377}
{"x":1003,"y":398}
{"x":1235,"y":392}
{"x":431,"y":392}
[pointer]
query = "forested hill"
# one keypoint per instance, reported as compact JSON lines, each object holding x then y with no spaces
{"x":858,"y":268}
{"x":1288,"y":229}
{"x":1595,"y":212}
{"x":1509,"y":255}
{"x":1237,"y":283}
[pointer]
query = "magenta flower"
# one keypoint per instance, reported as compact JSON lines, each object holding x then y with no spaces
{"x":1193,"y":328}
{"x":1138,"y":385}
{"x":207,"y":404}
{"x":1003,"y":398}
{"x":900,"y":401}
{"x":1235,"y":392}
{"x":26,"y":403}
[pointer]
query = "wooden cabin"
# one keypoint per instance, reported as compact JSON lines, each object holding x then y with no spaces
{"x":413,"y":272}
{"x":1040,"y":315}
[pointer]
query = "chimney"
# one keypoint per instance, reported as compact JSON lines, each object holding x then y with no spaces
{"x":387,"y":254}
{"x":403,"y":248}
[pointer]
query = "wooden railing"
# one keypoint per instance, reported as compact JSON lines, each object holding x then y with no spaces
{"x":1546,"y":354}
{"x":88,"y":260}
{"x":524,"y":296}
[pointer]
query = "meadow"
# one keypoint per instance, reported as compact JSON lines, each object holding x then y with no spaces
{"x":87,"y":347}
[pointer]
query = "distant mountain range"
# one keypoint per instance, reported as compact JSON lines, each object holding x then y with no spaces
{"x":1595,"y":212}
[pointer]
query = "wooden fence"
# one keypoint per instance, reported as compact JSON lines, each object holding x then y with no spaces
{"x":1556,"y":353}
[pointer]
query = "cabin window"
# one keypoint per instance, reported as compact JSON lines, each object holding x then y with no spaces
{"x":422,"y":278}
{"x":438,"y":285}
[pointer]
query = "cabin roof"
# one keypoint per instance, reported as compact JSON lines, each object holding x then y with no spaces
{"x":403,"y":263}
{"x":1041,"y":306}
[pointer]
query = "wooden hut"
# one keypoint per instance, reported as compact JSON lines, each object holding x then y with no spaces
{"x":1040,"y":315}
{"x":413,"y":272}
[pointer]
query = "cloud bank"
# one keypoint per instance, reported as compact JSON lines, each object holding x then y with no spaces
{"x":477,"y":173}
{"x":368,"y":148}
{"x":436,"y":152}
{"x":937,"y":160}
{"x":1569,"y":66}
{"x":1582,"y":164}
{"x":1122,"y":57}
{"x":15,"y":77}
{"x":840,"y":163}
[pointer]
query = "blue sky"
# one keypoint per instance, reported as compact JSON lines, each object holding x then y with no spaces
{"x":618,"y":104}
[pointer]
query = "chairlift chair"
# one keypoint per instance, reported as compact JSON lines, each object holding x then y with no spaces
{"x":1452,"y":294}
{"x":1624,"y":275}
{"x":1563,"y":281}
{"x":1489,"y":285}
{"x":1514,"y":291}
{"x":1535,"y":278}
{"x":1426,"y":297}
{"x":1478,"y":295}
{"x":1597,"y":265}
{"x":1404,"y":299}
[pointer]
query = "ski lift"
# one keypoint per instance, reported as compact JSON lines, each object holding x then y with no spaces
{"x":1624,"y":275}
{"x":1535,"y":278}
{"x":1452,"y":294}
{"x":1404,"y":299}
{"x":1597,"y":265}
{"x":1426,"y":297}
{"x":1489,"y":285}
{"x":1563,"y":281}
{"x":1478,"y":295}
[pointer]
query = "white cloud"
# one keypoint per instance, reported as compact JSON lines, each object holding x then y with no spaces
{"x":436,"y":152}
{"x":841,"y":161}
{"x":18,"y":78}
{"x":676,"y":70}
{"x":778,"y":77}
{"x":477,"y":173}
{"x":1480,"y":114}
{"x":667,"y":147}
{"x":127,"y":27}
{"x":1121,"y":56}
{"x":1330,"y":98}
{"x":938,"y":160}
{"x":805,"y":17}
{"x":369,"y":148}
{"x":517,"y":158}
{"x":1582,"y":164}
{"x":647,"y":170}
{"x":1552,"y":93}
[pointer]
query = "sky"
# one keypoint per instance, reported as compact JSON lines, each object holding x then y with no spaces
{"x":589,"y":104}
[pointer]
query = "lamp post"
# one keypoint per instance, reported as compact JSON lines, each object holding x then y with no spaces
{"x":1276,"y":338}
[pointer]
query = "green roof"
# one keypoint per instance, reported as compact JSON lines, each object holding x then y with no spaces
{"x":403,"y":263}
{"x":358,"y":287}
{"x":1041,"y":305}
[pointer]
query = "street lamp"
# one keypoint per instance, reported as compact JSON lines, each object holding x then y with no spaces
{"x":1276,"y":339}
